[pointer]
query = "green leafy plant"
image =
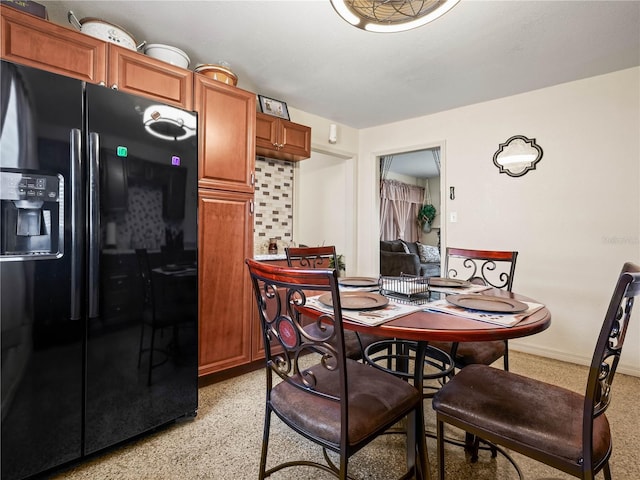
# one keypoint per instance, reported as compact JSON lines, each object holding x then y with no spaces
{"x":426,"y":215}
{"x":341,"y":265}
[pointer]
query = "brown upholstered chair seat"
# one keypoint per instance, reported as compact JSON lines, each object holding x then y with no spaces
{"x":320,"y":417}
{"x":542,"y":418}
{"x":545,"y":422}
{"x":469,"y":353}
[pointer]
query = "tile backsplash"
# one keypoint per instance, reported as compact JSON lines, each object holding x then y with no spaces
{"x":273,"y":204}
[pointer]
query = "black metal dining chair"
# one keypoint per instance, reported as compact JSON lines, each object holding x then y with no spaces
{"x":493,"y":268}
{"x":548,"y":423}
{"x":158,"y":318}
{"x":326,"y":257}
{"x":312,"y":257}
{"x":483,"y":267}
{"x":333,"y":401}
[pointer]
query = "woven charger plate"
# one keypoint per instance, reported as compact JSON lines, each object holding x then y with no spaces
{"x":356,"y":300}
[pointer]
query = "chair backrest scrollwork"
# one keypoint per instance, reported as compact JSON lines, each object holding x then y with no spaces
{"x":486,"y":267}
{"x":609,"y":345}
{"x":607,"y":354}
{"x":282,"y":293}
{"x":312,"y":257}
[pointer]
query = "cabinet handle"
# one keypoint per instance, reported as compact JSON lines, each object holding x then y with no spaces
{"x":102,"y":83}
{"x":114,"y":86}
{"x":253,"y":178}
{"x":251,"y":207}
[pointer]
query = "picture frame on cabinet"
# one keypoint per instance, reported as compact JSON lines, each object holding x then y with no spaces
{"x":274,"y":107}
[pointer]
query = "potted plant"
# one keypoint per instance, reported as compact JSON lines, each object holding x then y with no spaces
{"x":341,"y":266}
{"x":425,"y":217}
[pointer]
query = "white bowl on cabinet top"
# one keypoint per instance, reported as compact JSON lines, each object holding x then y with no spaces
{"x":168,"y":54}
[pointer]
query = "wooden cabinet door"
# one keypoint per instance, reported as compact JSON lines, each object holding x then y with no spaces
{"x":266,"y":133}
{"x":227,"y":117}
{"x":296,"y":140}
{"x":282,"y":139}
{"x":225,"y":241}
{"x":139,"y":74}
{"x":35,"y":42}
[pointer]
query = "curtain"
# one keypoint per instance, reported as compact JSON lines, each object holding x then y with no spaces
{"x":436,"y":156}
{"x":427,"y":192}
{"x":385,"y":165}
{"x":399,"y":206}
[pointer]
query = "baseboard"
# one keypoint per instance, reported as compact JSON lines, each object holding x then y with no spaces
{"x":566,"y":357}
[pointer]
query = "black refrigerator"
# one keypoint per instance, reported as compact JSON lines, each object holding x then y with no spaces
{"x":98,"y":268}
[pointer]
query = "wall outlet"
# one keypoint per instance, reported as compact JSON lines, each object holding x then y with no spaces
{"x":453,"y":217}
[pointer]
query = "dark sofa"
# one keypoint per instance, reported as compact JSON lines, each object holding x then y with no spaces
{"x":398,"y":257}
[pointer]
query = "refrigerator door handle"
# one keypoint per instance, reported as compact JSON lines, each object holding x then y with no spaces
{"x":94,"y":224}
{"x":76,"y":221}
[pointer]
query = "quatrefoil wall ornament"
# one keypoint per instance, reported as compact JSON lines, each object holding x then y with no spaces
{"x":517,"y":156}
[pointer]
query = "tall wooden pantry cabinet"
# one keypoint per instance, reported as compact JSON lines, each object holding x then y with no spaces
{"x":227,"y":117}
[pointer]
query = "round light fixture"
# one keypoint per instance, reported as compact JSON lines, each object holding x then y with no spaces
{"x":169,"y":123}
{"x":387,"y":16}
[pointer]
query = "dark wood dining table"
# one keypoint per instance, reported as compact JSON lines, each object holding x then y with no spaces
{"x":426,"y":326}
{"x":429,"y":326}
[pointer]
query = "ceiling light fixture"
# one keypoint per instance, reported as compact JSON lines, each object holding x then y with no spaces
{"x":169,"y":123}
{"x":387,"y":16}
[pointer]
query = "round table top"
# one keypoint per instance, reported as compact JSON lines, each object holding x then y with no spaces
{"x":441,"y":327}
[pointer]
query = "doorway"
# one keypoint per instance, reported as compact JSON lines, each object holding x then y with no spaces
{"x":420,"y":168}
{"x":324,"y":204}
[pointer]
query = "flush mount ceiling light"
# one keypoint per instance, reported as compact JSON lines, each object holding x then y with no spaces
{"x":169,"y":123}
{"x":388,"y":16}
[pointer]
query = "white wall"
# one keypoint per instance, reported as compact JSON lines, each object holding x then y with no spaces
{"x":325,"y":187}
{"x":575,"y":219}
{"x":323,"y":204}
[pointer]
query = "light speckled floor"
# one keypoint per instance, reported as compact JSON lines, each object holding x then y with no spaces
{"x":223,"y":441}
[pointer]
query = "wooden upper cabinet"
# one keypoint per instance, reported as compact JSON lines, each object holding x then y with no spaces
{"x":226,"y":139}
{"x":35,"y":42}
{"x":139,"y":74}
{"x":282,"y":139}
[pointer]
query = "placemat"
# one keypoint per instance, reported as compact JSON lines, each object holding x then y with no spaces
{"x":369,"y":317}
{"x":504,"y":319}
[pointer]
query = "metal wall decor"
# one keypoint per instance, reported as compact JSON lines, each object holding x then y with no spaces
{"x":517,"y":156}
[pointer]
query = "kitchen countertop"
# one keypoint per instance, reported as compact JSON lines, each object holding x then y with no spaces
{"x":267,"y":257}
